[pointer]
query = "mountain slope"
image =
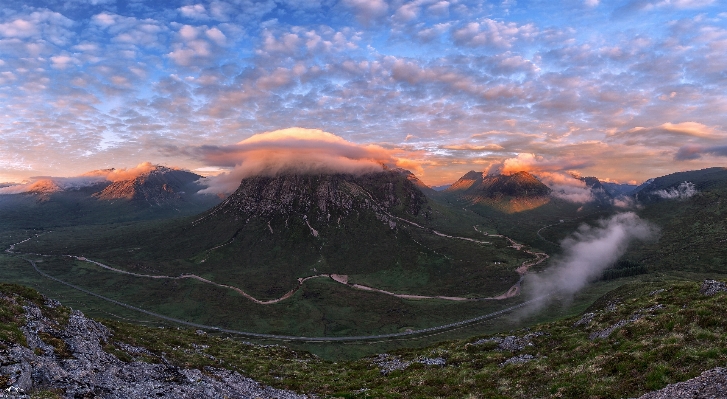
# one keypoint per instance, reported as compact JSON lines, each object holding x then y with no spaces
{"x":160,"y":193}
{"x":681,"y":184}
{"x":508,"y":193}
{"x":158,"y":186}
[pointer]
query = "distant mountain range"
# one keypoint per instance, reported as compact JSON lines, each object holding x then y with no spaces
{"x":91,"y":198}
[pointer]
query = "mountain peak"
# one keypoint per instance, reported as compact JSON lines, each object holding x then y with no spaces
{"x":509,"y":193}
{"x":324,"y":197}
{"x":157,"y":185}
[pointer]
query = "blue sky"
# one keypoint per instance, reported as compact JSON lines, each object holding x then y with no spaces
{"x":624,"y":90}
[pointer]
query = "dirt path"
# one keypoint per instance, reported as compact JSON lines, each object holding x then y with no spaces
{"x":340,"y":278}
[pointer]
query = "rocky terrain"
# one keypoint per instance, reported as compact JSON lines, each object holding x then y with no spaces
{"x":640,"y":338}
{"x":73,"y":361}
{"x":325,"y":198}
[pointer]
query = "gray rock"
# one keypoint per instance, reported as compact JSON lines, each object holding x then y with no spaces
{"x":387,"y":363}
{"x":518,"y":359}
{"x":585,"y":320}
{"x":511,"y":343}
{"x":92,"y":372}
{"x":711,"y":384}
{"x":437,"y":361}
{"x":712,"y":287}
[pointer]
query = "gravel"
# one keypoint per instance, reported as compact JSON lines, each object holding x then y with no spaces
{"x":711,"y":384}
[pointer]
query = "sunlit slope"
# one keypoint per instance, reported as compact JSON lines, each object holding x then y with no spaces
{"x":158,"y":193}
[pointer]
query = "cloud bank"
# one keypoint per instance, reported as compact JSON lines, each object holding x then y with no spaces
{"x":588,"y":252}
{"x":293,"y":150}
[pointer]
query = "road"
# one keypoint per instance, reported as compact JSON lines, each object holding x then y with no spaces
{"x":343,"y":279}
{"x":407,"y":334}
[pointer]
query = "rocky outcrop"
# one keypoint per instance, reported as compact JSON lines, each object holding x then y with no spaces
{"x":710,"y":384}
{"x":71,"y":360}
{"x":324,"y":198}
{"x":712,"y":287}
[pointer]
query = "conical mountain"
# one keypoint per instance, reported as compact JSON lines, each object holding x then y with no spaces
{"x":509,"y":193}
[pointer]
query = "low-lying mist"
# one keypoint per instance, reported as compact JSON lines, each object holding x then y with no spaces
{"x":588,"y":252}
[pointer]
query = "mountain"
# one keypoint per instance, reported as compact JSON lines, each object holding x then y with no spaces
{"x":509,"y":193}
{"x":441,"y":188}
{"x":598,"y":190}
{"x":324,"y":198}
{"x":681,"y":184}
{"x":617,"y":189}
{"x":158,"y":186}
{"x":160,"y":192}
{"x":255,"y":249}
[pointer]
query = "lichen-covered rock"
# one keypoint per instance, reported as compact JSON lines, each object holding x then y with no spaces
{"x":712,"y":287}
{"x":88,"y":371}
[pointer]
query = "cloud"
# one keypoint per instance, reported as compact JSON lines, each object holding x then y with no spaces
{"x":682,"y":191}
{"x":588,"y":252}
{"x":489,"y":32}
{"x":689,"y":152}
{"x":46,"y":184}
{"x":367,"y":11}
{"x":293,"y":150}
{"x":196,"y":11}
{"x":537,"y":164}
{"x":634,"y":6}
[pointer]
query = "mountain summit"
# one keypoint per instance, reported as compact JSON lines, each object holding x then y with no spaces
{"x":509,"y":193}
{"x":324,"y":198}
{"x":157,"y":186}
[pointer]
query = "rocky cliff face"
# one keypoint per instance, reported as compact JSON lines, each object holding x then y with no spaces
{"x":324,"y":197}
{"x":158,"y":186}
{"x":71,"y":360}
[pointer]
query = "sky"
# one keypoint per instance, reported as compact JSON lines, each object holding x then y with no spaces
{"x":623,"y":90}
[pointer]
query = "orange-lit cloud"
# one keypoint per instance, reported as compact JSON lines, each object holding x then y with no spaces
{"x":122,"y":174}
{"x":294,"y":150}
{"x":557,"y":174}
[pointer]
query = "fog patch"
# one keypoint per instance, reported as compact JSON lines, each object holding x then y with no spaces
{"x":588,"y":252}
{"x":682,"y":191}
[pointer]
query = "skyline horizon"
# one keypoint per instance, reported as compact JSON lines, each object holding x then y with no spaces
{"x":625,"y":89}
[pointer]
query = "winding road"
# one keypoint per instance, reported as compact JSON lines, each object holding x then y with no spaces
{"x":342,"y":279}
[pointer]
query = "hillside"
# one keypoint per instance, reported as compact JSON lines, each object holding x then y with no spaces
{"x":514,"y":193}
{"x":633,"y":340}
{"x":158,"y":186}
{"x":301,"y":254}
